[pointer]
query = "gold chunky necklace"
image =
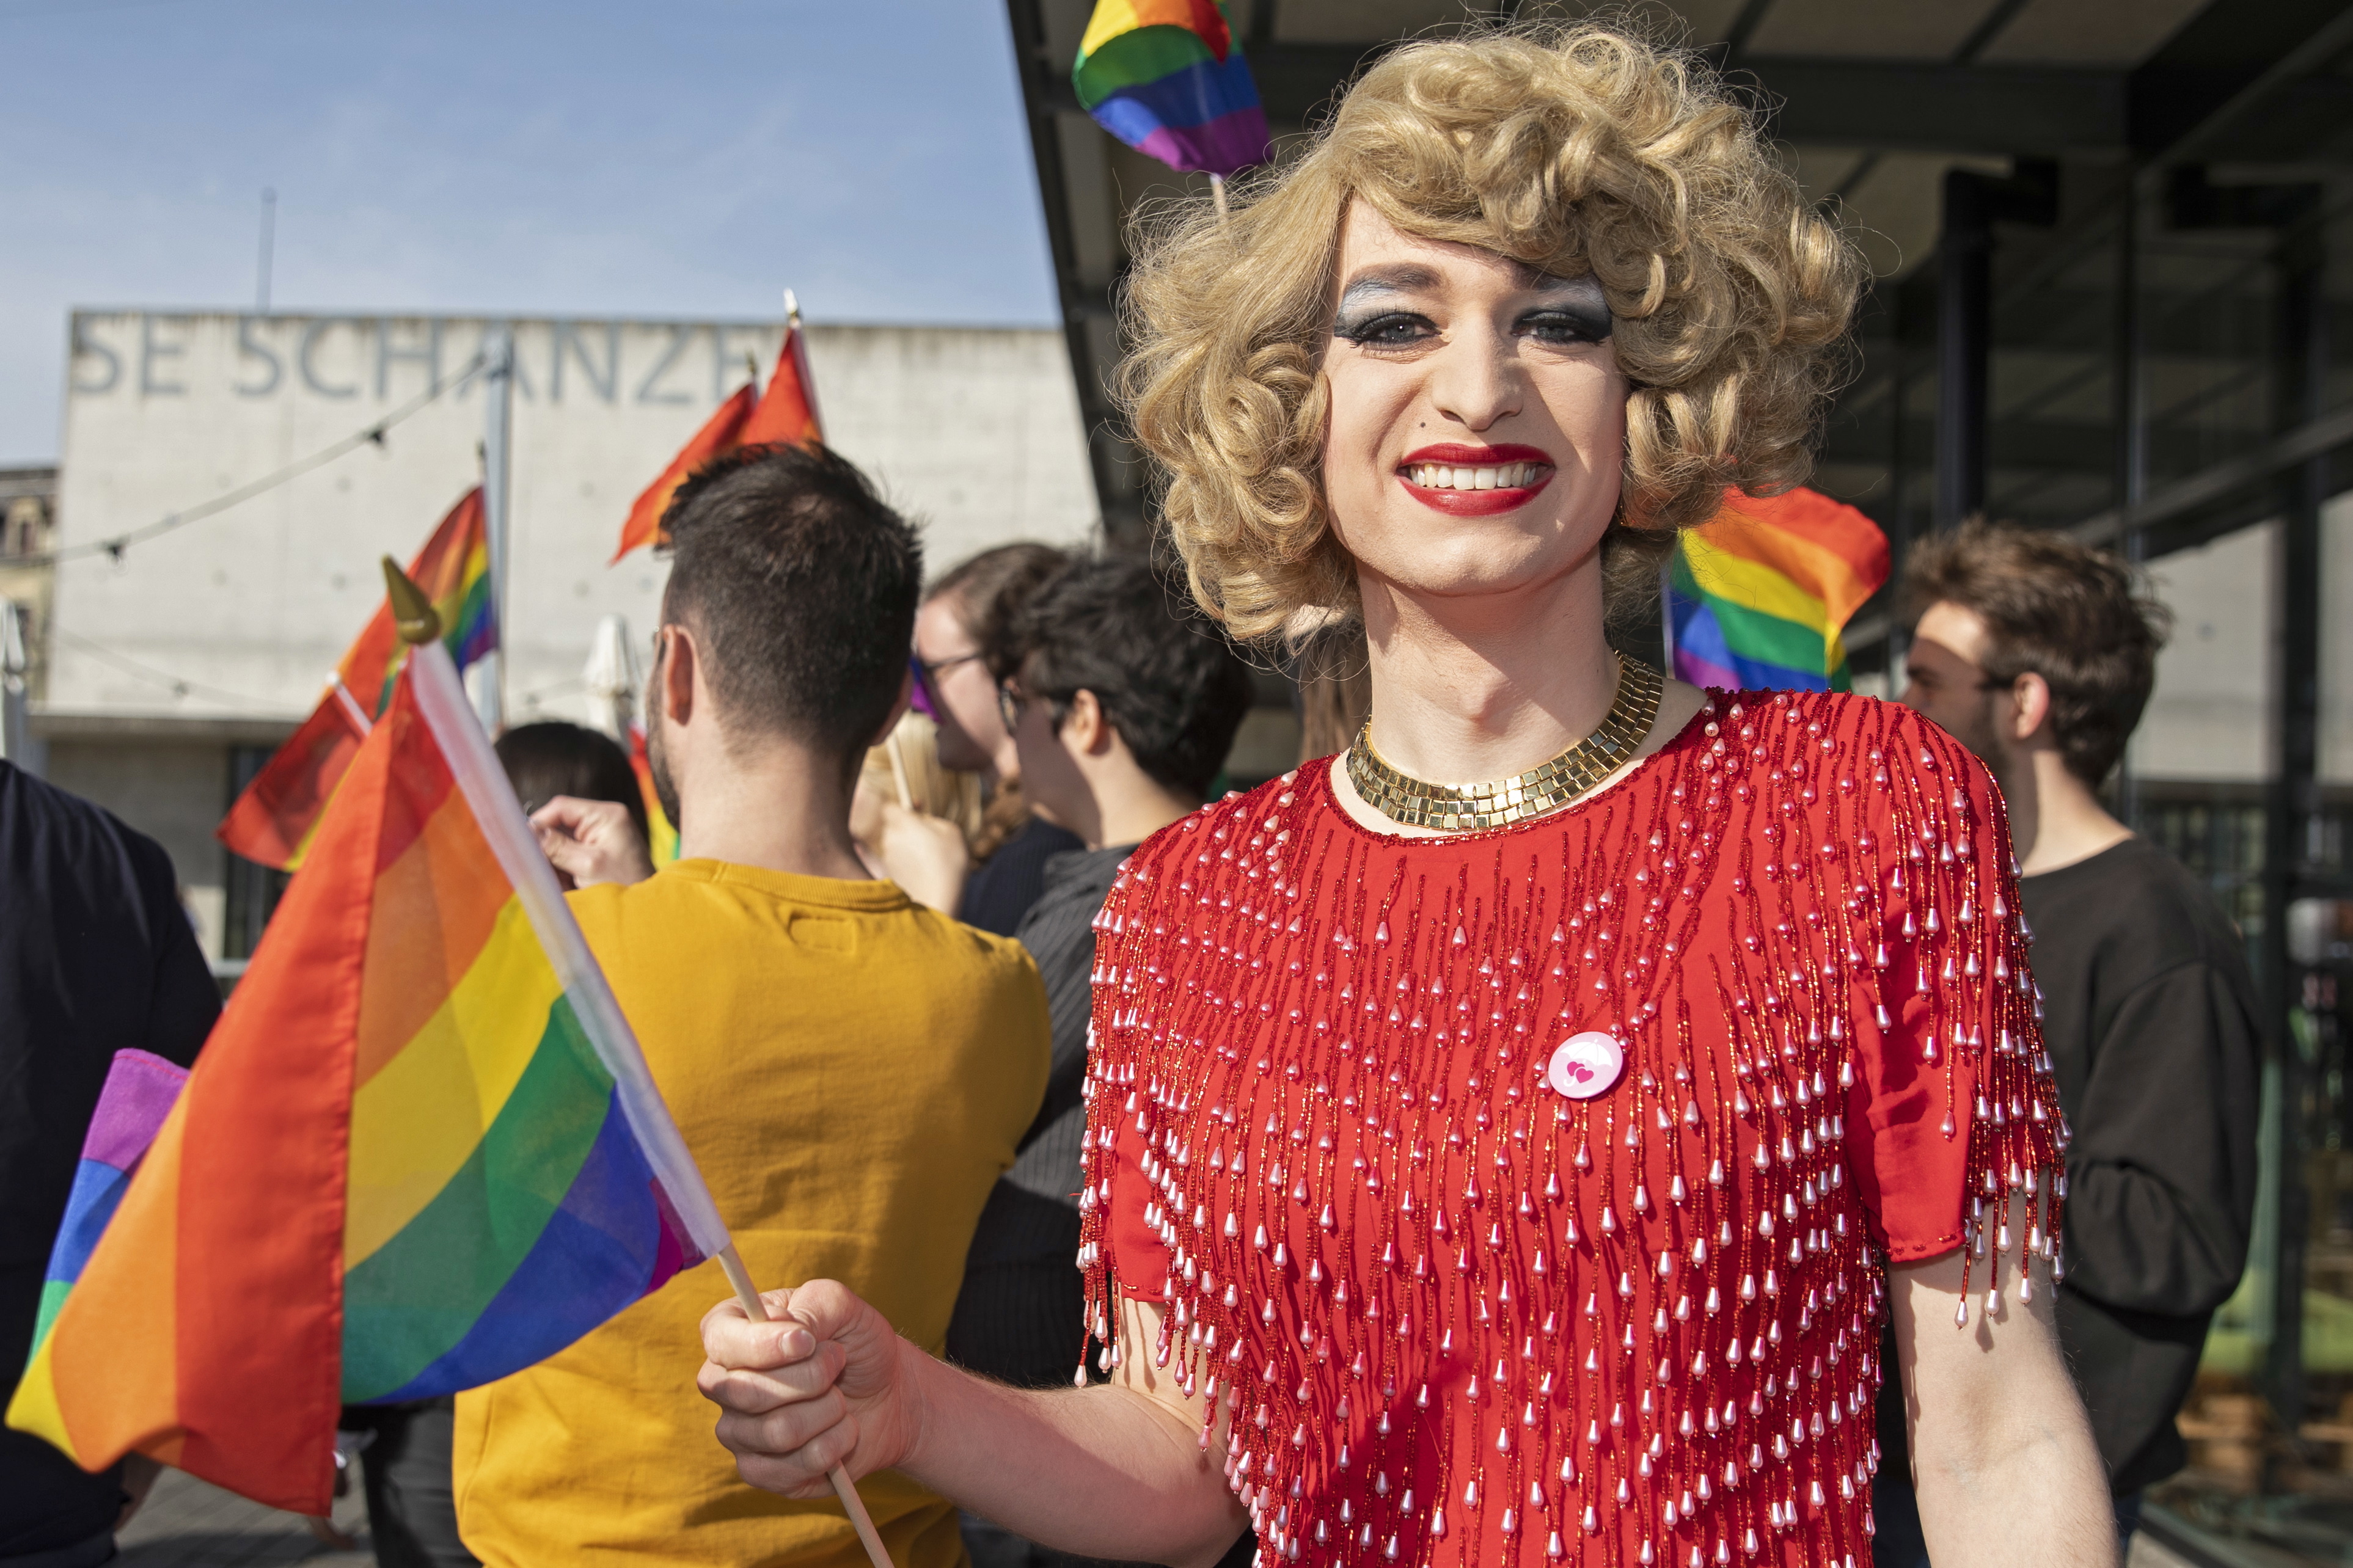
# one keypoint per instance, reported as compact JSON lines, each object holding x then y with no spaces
{"x":1465,"y":808}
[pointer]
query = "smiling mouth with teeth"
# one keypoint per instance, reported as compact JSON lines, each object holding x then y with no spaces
{"x":1483,"y":476}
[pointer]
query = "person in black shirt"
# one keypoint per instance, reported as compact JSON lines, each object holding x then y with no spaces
{"x":2038,"y":655}
{"x":1123,"y":702}
{"x":96,"y":956}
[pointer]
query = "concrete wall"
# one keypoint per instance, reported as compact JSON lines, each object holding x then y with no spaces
{"x":2210,"y":716}
{"x":975,"y":431}
{"x":173,"y":790}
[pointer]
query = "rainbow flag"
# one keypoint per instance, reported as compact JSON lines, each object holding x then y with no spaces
{"x":662,"y":848}
{"x":1758,"y":596}
{"x":271,"y":822}
{"x":785,"y":414}
{"x":420,"y":1151}
{"x":139,"y":1091}
{"x":454,"y":570}
{"x":1166,"y":78}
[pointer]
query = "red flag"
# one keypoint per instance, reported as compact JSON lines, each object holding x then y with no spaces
{"x":273,"y":820}
{"x":721,"y":433}
{"x":787,"y":411}
{"x":786,"y":414}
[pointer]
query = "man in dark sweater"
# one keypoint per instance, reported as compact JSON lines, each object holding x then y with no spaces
{"x":96,"y":956}
{"x":2038,"y":655}
{"x":1123,"y":702}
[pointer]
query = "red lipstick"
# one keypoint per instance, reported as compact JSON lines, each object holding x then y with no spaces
{"x":1538,"y":465}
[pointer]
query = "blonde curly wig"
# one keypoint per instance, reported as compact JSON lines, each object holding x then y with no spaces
{"x":1570,"y":149}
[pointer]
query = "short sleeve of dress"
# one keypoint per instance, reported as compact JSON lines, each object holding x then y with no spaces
{"x":1952,"y":1104}
{"x":1122,"y":1251}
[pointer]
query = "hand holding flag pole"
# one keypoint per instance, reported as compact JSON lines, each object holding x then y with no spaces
{"x":419,"y":626}
{"x":843,"y":1488}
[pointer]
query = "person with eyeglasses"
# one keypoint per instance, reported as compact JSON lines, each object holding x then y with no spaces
{"x":963,"y":612}
{"x":1122,"y":704}
{"x":2039,"y":653}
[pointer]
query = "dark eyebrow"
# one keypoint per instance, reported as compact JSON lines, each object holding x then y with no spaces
{"x":1398,"y":278}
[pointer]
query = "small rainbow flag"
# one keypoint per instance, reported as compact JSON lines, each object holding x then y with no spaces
{"x":273,"y":820}
{"x":1166,"y":78}
{"x":663,"y":847}
{"x":454,"y":570}
{"x":1756,"y":597}
{"x":786,"y":414}
{"x":421,"y":1149}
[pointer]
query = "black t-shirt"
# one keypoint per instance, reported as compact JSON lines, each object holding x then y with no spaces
{"x":96,"y":956}
{"x":2150,"y":1017}
{"x":997,"y":896}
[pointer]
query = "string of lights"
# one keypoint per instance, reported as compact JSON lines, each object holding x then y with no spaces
{"x":177,"y":686}
{"x":372,"y":435}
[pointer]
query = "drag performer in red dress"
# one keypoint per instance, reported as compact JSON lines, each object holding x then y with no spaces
{"x":1520,"y":1172}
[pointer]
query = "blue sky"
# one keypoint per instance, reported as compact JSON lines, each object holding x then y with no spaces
{"x":690,"y":157}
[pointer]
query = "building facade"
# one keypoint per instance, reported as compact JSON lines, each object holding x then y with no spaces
{"x":181,"y":644}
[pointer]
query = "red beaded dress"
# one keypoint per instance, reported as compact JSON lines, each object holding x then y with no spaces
{"x":1461,"y":1317}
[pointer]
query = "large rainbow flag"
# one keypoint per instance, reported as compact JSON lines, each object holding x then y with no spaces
{"x":273,"y":820}
{"x":1166,"y":78}
{"x":1758,"y":596}
{"x":420,"y":1151}
{"x":785,"y":414}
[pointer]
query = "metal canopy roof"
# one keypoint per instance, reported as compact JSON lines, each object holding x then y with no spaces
{"x":1873,"y":103}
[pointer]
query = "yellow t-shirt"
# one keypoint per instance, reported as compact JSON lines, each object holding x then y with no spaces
{"x":851,"y":1071}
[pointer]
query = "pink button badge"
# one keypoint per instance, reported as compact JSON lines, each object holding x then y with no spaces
{"x":1587,"y":1065}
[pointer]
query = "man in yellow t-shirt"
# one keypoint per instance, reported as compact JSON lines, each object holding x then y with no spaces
{"x":851,"y":1070}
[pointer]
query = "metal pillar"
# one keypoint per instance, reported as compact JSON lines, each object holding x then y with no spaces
{"x":1964,"y":312}
{"x":1973,"y":203}
{"x":498,"y":427}
{"x":2300,"y":352}
{"x":2293,"y":809}
{"x":2131,"y":422}
{"x":16,"y":729}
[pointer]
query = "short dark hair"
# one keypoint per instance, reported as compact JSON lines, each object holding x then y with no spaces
{"x":800,"y":582}
{"x":989,"y":588}
{"x":1166,"y":678}
{"x":2078,"y":617}
{"x":549,"y":758}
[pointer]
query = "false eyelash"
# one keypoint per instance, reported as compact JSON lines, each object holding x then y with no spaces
{"x":1362,"y":333}
{"x":1582,"y":326}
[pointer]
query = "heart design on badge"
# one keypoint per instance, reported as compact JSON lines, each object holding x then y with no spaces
{"x":1587,"y":1065}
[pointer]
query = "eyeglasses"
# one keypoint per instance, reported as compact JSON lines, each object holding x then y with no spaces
{"x":1009,"y":704}
{"x":1929,"y":681}
{"x":927,"y":679}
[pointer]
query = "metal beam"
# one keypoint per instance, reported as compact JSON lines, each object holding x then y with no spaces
{"x":1041,"y":86}
{"x":1930,"y":106}
{"x":2051,"y":446}
{"x":1939,"y":106}
{"x":2168,"y":502}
